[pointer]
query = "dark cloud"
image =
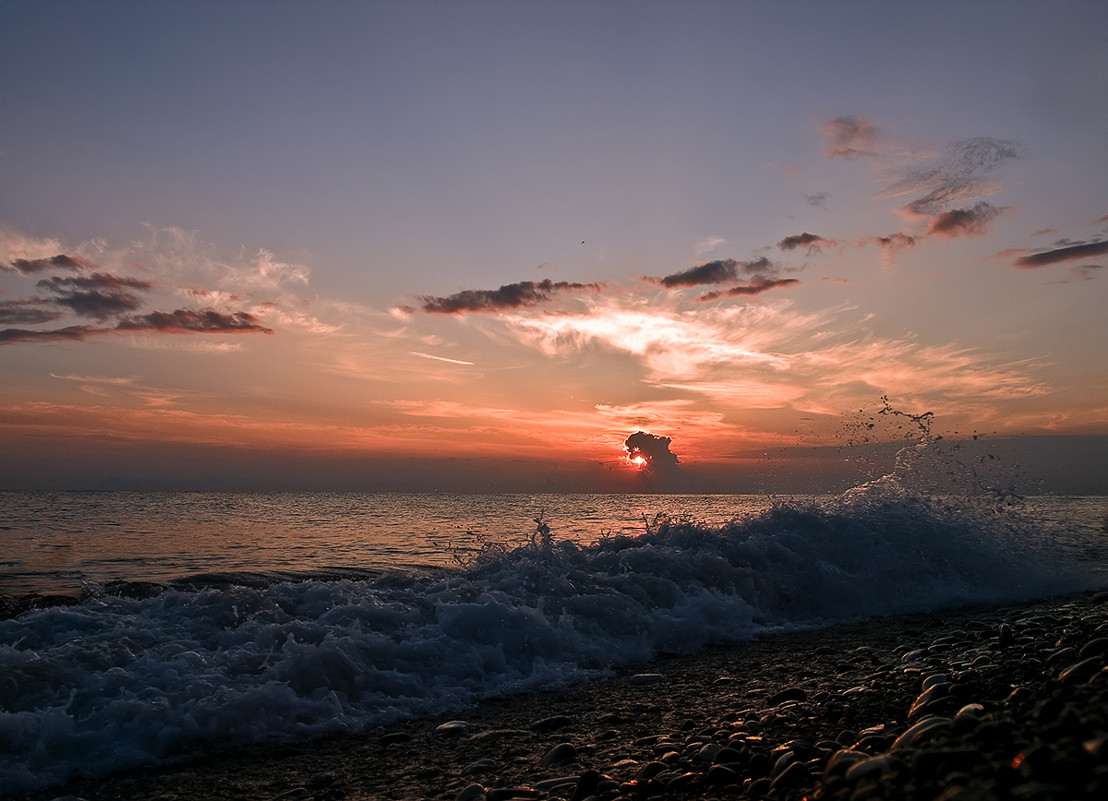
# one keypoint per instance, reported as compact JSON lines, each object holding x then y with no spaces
{"x":654,"y":450}
{"x":206,"y":321}
{"x":895,"y":241}
{"x":1070,"y":253}
{"x":958,"y":174}
{"x":964,"y":222}
{"x":11,"y":336}
{"x":94,"y":281}
{"x":194,"y":320}
{"x":509,"y":296}
{"x":98,"y":295}
{"x":849,"y":138}
{"x":810,"y":241}
{"x":716,"y":272}
{"x":59,"y":262}
{"x":755,"y":287}
{"x":26,"y":312}
{"x":713,"y":272}
{"x":817,"y":199}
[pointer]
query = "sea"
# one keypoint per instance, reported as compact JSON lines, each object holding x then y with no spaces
{"x":205,"y":621}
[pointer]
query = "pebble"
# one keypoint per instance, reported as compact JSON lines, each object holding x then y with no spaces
{"x":452,"y":728}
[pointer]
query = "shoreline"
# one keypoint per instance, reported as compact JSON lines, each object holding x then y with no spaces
{"x":1016,"y":706}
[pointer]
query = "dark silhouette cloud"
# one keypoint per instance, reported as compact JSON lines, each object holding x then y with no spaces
{"x":964,"y":222}
{"x":93,"y":281}
{"x":716,"y":272}
{"x":206,"y":321}
{"x":810,"y":241}
{"x":654,"y":451}
{"x":194,"y":320}
{"x":98,"y":295}
{"x":817,"y":199}
{"x":849,"y":138}
{"x":712,"y":272}
{"x":754,"y":287}
{"x":1070,"y":253}
{"x":509,"y":296}
{"x":11,"y":336}
{"x":59,"y":262}
{"x":894,"y":241}
{"x":26,"y":312}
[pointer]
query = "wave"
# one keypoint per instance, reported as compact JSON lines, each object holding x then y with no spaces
{"x":124,"y":681}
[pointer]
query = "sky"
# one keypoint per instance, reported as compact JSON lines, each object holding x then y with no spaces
{"x":480,"y":246}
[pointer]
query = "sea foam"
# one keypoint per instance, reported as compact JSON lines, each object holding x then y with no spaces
{"x":117,"y":682}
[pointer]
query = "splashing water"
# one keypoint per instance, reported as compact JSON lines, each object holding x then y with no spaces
{"x":118,"y":683}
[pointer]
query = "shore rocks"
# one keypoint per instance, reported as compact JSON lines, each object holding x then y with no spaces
{"x":1000,"y":703}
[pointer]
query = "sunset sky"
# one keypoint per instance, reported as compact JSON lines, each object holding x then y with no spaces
{"x":476,"y":245}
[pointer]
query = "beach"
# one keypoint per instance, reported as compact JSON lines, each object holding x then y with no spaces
{"x":970,"y":703}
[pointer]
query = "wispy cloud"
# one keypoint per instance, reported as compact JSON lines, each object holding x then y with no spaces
{"x":709,"y":244}
{"x":958,"y":174}
{"x":440,"y":358}
{"x":849,"y":137}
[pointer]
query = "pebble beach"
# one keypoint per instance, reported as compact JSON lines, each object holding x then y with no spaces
{"x":982,"y":703}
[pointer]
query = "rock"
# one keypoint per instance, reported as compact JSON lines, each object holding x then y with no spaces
{"x":552,"y":723}
{"x":561,"y":754}
{"x":795,"y":775}
{"x":452,"y":728}
{"x":647,"y":678}
{"x":471,"y":792}
{"x":721,"y":776}
{"x":395,"y":737}
{"x":788,"y":694}
{"x":1082,"y":671}
{"x":1094,"y":647}
{"x":878,"y":765}
{"x":919,"y":731}
{"x":480,"y":766}
{"x":509,"y":793}
{"x":587,"y":785}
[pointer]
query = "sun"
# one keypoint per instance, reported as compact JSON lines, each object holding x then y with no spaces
{"x":636,"y":461}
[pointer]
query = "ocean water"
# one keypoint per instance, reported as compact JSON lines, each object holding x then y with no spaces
{"x":210,"y":621}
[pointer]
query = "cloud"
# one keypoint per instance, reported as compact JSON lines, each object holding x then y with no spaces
{"x":99,"y":295}
{"x":849,"y":138}
{"x":754,"y":287}
{"x":964,"y":222}
{"x":59,"y":262}
{"x":810,"y":241}
{"x":11,"y":336}
{"x":439,"y":358}
{"x":207,"y":321}
{"x":26,"y":312}
{"x":194,"y":320}
{"x":715,"y":272}
{"x":957,"y":174}
{"x":510,"y":296}
{"x":894,"y":241}
{"x":654,"y":451}
{"x":708,"y":244}
{"x":817,"y":199}
{"x":1070,"y":253}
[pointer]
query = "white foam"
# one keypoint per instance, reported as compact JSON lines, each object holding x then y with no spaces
{"x":122,"y":682}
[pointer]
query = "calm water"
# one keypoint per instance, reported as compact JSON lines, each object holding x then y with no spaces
{"x":63,"y":542}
